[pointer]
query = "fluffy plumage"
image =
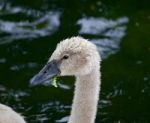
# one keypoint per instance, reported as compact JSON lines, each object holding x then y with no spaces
{"x":83,"y":56}
{"x":7,"y":115}
{"x":76,"y":57}
{"x":83,"y":62}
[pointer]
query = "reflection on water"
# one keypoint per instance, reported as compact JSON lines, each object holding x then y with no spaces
{"x":43,"y":24}
{"x":12,"y":96}
{"x":63,"y":120}
{"x":110,"y":31}
{"x":23,"y":66}
{"x":125,"y":75}
{"x":102,"y":26}
{"x":45,"y":114}
{"x":2,"y":60}
{"x":6,"y":9}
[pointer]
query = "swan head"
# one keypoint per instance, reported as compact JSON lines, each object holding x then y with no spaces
{"x":74,"y":56}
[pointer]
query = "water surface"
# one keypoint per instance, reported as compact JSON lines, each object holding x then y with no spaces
{"x":29,"y":32}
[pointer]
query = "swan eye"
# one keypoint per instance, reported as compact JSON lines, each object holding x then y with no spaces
{"x":65,"y":57}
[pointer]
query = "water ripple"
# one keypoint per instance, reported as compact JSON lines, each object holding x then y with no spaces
{"x":44,"y":23}
{"x":110,"y":33}
{"x":7,"y":9}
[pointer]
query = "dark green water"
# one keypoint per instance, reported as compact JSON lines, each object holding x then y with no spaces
{"x":29,"y":32}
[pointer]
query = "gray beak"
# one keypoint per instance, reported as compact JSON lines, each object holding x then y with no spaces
{"x":50,"y":70}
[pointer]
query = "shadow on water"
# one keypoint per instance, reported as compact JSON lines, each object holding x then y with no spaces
{"x":29,"y":32}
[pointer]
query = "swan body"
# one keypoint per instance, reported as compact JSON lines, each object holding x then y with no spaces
{"x":7,"y":115}
{"x":76,"y":57}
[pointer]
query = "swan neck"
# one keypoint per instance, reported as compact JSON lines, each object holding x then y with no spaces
{"x":86,"y":97}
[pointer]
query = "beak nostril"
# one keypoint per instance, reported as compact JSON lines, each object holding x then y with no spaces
{"x":45,"y":72}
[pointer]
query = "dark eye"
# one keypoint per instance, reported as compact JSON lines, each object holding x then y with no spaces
{"x":65,"y":57}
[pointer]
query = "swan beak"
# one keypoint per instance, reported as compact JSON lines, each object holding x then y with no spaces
{"x":50,"y":70}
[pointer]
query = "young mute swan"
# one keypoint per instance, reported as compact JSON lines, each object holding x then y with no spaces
{"x":78,"y":57}
{"x":7,"y":115}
